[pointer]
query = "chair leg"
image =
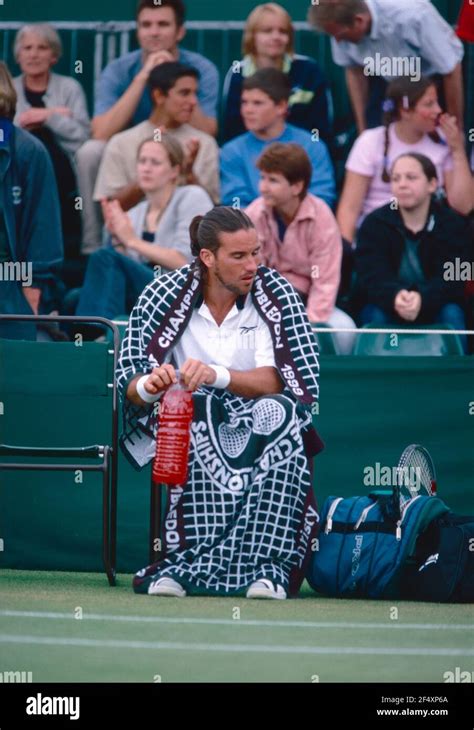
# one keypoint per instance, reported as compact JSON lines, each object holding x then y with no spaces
{"x":110,"y":571}
{"x":113,"y":513}
{"x":155,"y":522}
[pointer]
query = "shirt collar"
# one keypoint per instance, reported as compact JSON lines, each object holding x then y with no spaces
{"x":239,"y":302}
{"x":305,"y":211}
{"x":249,"y":67}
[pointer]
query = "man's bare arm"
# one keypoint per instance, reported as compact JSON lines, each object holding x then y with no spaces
{"x":454,"y":94}
{"x":117,"y":118}
{"x":255,"y":383}
{"x":246,"y":383}
{"x":358,"y":88}
{"x":158,"y":380}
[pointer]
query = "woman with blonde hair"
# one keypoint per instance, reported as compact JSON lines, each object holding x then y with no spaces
{"x":151,"y":239}
{"x":268,"y":41}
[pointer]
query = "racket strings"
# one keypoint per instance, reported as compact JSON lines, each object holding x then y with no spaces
{"x":415,"y":475}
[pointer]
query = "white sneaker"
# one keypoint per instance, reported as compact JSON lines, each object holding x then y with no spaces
{"x":166,"y":587}
{"x":264,"y":588}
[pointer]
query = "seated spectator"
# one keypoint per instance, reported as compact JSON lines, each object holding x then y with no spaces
{"x":151,"y":239}
{"x":299,"y":235}
{"x":268,"y":41}
{"x":403,"y":253}
{"x":53,"y":108}
{"x":264,"y":108}
{"x":413,"y":122}
{"x":31,"y":247}
{"x":173,"y":90}
{"x":377,"y":41}
{"x":122,"y":99}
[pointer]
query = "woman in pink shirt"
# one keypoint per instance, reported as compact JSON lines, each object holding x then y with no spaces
{"x":299,"y":235}
{"x":413,"y":122}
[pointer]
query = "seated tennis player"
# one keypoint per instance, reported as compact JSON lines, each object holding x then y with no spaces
{"x":239,"y":335}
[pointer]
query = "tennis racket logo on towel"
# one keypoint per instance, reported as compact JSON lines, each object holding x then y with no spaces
{"x":267,"y":416}
{"x":234,"y":439}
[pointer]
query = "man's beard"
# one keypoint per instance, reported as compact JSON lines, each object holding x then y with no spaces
{"x":230,"y":287}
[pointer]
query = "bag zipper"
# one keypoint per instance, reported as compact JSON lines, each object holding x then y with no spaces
{"x":398,"y":532}
{"x":363,"y":516}
{"x":332,"y":509}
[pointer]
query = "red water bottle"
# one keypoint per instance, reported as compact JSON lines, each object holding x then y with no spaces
{"x":174,"y":436}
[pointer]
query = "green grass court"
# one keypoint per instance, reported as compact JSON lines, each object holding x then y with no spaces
{"x":123,"y":637}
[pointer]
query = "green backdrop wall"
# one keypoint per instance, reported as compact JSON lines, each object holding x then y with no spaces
{"x":370,"y":409}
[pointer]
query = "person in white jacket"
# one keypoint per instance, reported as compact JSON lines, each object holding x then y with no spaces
{"x":150,"y":240}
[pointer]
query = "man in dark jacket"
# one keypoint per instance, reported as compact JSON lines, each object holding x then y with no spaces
{"x":407,"y":250}
{"x":31,"y":245}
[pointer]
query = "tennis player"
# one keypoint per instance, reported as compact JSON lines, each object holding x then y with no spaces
{"x":239,"y":335}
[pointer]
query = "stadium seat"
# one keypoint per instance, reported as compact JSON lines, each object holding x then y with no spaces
{"x":62,"y":407}
{"x":416,"y":345}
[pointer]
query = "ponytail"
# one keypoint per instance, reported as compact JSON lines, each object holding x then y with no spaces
{"x":204,"y":230}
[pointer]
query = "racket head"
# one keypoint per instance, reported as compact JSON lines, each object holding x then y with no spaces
{"x":415,"y":475}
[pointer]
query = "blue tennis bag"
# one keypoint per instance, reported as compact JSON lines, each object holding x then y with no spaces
{"x":365,"y":544}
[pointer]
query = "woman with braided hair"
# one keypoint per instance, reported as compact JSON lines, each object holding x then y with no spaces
{"x":413,"y":122}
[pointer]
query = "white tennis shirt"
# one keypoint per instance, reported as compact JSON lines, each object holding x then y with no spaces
{"x":242,"y":342}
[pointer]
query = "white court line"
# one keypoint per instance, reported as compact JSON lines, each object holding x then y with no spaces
{"x":234,"y":648}
{"x":240,"y":622}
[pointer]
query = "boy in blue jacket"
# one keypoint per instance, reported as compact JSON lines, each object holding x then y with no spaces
{"x":264,"y":108}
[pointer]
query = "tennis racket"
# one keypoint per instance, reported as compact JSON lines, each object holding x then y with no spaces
{"x":415,"y":475}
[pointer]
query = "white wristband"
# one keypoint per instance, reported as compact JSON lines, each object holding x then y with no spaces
{"x":144,"y":394}
{"x":222,"y":376}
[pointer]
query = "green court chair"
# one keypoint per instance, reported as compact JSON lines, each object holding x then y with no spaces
{"x":58,"y":406}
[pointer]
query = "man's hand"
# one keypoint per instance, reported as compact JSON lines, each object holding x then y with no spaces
{"x":194,"y":373}
{"x":408,"y":304}
{"x":32,"y":296}
{"x":155,"y":59}
{"x":160,"y":379}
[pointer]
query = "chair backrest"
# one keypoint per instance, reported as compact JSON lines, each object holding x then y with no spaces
{"x":53,"y":394}
{"x":407,"y":344}
{"x":56,"y":393}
